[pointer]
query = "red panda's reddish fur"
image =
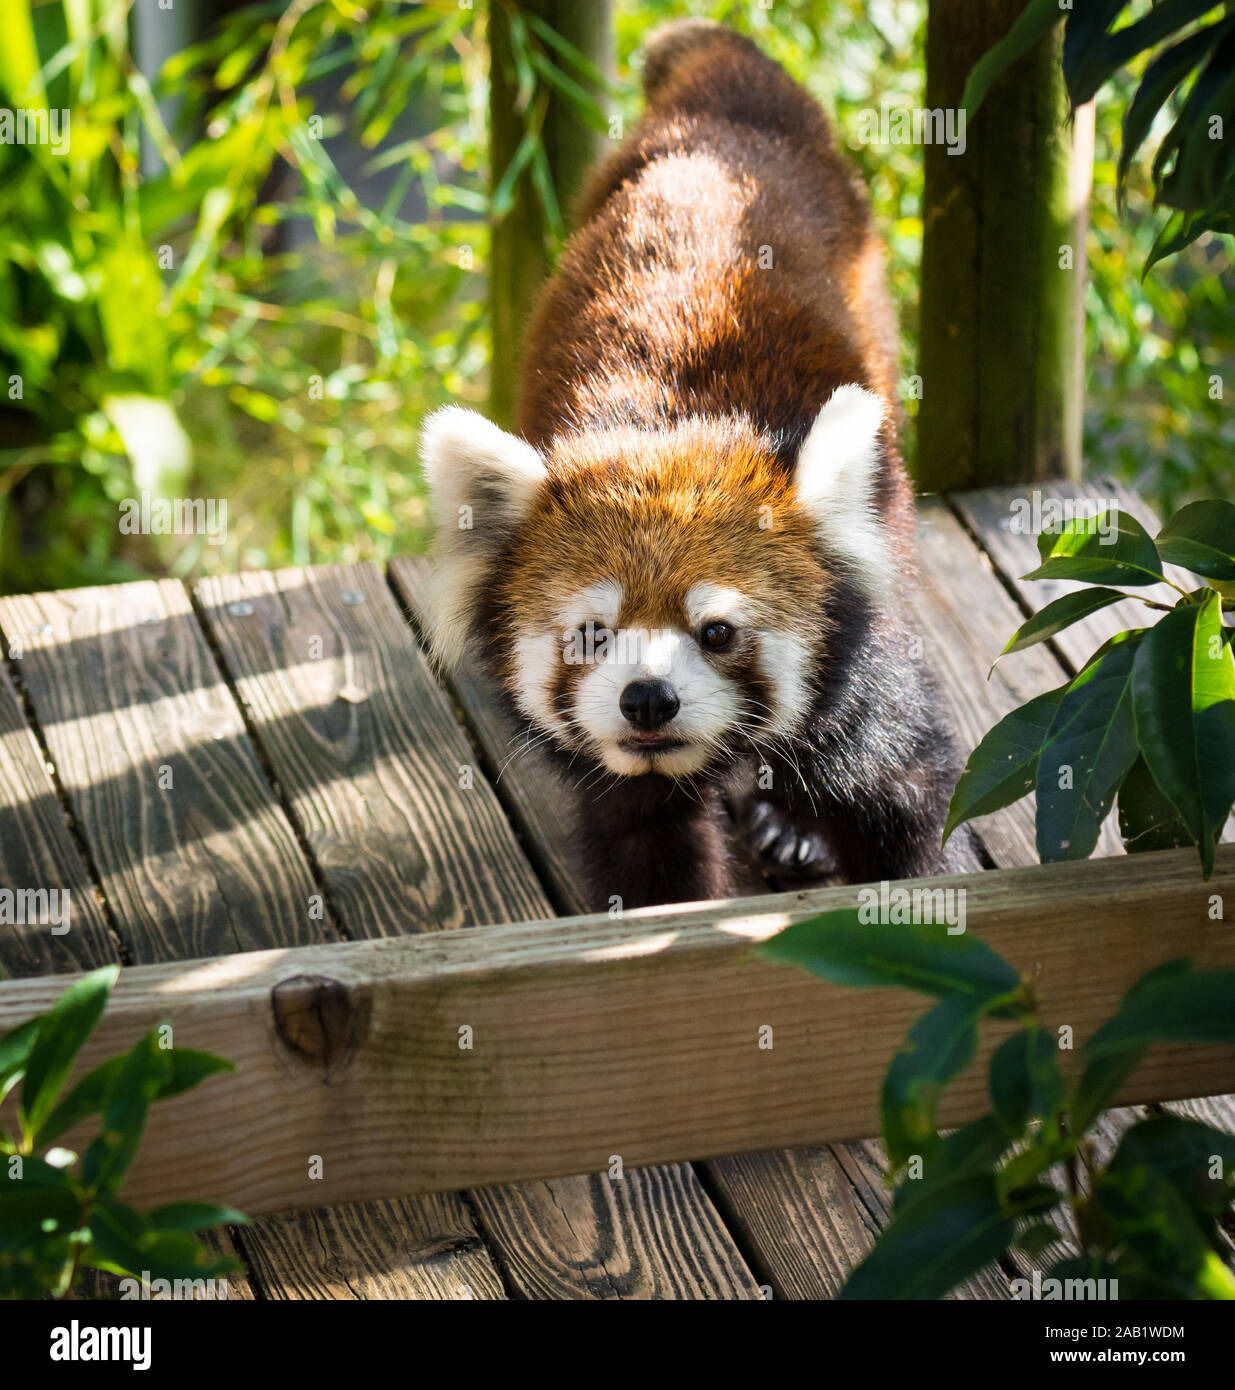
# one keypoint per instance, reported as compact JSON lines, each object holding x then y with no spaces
{"x":725,"y":287}
{"x":660,"y":307}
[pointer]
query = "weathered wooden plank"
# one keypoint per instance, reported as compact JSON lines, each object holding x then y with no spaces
{"x":127,"y":691}
{"x":800,"y":1214}
{"x":652,"y":1234}
{"x":37,"y":849}
{"x":530,"y":791}
{"x":366,"y":752}
{"x":191,"y":849}
{"x":422,"y":1248}
{"x":594,"y":1036}
{"x":37,"y":852}
{"x":409,"y":836}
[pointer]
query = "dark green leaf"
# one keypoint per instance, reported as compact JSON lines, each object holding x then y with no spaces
{"x":194,"y":1216}
{"x":1037,"y":19}
{"x":186,"y":1069}
{"x":1025,"y":1079}
{"x":939,"y":1047}
{"x":1104,"y":1075}
{"x":842,"y":948}
{"x":1099,"y":60}
{"x":85,"y":1099}
{"x":1081,"y":551}
{"x":29,"y":1214}
{"x":1160,"y":79}
{"x":1035,"y":1240}
{"x":1089,"y":748}
{"x":127,"y":1242}
{"x":15,"y":1049}
{"x":1144,"y":1213}
{"x":1181,"y":231}
{"x":1185,"y":1153}
{"x":1176,"y":1004}
{"x":1059,"y":614}
{"x":1084,"y":37}
{"x":1200,"y":160}
{"x":975,"y":1148}
{"x":63,"y":1030}
{"x":1147,"y":820}
{"x":146,"y":1069}
{"x":1004,"y":766}
{"x":935,"y":1243}
{"x":1183,"y":692}
{"x":1201,"y":537}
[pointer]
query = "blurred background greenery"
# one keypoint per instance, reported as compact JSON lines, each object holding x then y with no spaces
{"x":263,"y":260}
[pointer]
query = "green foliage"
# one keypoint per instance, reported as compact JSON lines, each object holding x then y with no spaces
{"x":1192,"y":170}
{"x":1151,"y":716}
{"x":1149,"y":1218}
{"x":55,"y":1221}
{"x":137,"y":309}
{"x":288,"y":374}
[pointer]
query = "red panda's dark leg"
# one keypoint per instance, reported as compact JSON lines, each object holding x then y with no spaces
{"x":649,"y":840}
{"x":866,"y":800}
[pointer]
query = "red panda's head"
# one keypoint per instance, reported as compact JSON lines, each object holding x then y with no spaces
{"x":656,"y":599}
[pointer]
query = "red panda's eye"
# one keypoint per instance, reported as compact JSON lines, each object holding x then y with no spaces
{"x":716,"y":636}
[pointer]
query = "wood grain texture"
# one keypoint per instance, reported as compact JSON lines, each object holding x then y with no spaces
{"x":37,"y":852}
{"x":367,"y":752}
{"x":128,"y":696}
{"x":637,"y":1037}
{"x":409,"y":836}
{"x":422,"y":1248}
{"x":125,"y":684}
{"x":651,"y":1234}
{"x":38,"y":849}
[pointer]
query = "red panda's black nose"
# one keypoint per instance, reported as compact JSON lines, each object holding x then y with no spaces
{"x":649,"y":704}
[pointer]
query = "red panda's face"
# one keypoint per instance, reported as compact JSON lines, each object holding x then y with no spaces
{"x":664,"y":600}
{"x":656,"y":600}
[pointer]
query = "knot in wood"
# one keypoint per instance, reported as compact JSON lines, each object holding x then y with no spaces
{"x":317,"y":1019}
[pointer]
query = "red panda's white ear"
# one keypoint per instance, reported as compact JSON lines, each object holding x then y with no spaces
{"x":481,"y":484}
{"x":834,"y":478}
{"x":470,"y":463}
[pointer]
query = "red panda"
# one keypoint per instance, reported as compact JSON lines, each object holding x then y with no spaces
{"x":683,"y":574}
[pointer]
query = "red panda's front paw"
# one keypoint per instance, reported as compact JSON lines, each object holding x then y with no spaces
{"x":786,"y":846}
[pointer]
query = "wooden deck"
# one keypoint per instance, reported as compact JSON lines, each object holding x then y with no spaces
{"x":266,"y":760}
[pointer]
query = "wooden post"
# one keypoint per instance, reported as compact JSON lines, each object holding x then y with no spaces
{"x":1003,"y":264}
{"x":522,"y":246}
